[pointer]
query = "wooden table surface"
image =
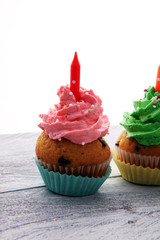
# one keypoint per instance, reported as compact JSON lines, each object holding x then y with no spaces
{"x":119,"y":210}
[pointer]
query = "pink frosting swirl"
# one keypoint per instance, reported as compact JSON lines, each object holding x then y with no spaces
{"x":80,"y":122}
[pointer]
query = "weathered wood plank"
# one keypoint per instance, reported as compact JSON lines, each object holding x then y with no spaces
{"x":17,"y":167}
{"x":119,"y":210}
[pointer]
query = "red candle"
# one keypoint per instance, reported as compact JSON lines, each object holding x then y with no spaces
{"x":75,"y":77}
{"x":158,"y":80}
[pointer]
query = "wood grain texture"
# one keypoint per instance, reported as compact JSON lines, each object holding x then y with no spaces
{"x":119,"y":210}
{"x":17,"y":167}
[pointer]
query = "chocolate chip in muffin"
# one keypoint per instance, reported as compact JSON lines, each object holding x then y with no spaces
{"x":137,"y":148}
{"x":62,"y":161}
{"x":103,"y":142}
{"x":117,"y":144}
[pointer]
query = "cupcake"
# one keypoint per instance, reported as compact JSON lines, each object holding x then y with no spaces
{"x":71,"y":153}
{"x":137,"y":150}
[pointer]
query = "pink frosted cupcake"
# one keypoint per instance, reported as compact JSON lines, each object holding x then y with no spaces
{"x":71,"y":154}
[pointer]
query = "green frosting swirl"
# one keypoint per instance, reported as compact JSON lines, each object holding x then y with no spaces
{"x":143,"y":123}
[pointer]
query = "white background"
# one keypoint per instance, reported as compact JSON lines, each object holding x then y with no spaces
{"x":118,"y":45}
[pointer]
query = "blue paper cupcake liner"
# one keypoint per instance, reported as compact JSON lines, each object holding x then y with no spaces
{"x":71,"y":185}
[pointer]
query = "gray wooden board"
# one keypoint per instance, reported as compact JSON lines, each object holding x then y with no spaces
{"x":119,"y":210}
{"x":17,"y":166}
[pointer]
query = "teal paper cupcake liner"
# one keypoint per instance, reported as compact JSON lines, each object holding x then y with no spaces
{"x":71,"y":185}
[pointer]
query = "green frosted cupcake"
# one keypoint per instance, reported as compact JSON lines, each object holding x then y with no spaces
{"x":137,"y":150}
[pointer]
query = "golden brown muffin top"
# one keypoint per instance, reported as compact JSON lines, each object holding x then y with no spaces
{"x":131,"y":145}
{"x":66,"y":153}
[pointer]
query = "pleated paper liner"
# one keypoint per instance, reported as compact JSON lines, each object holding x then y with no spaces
{"x":71,"y":185}
{"x":138,"y":159}
{"x":89,"y":171}
{"x":137,"y":174}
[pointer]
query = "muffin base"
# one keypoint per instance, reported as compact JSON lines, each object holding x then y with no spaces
{"x":71,"y":185}
{"x":95,"y":170}
{"x":138,"y":159}
{"x":137,"y":174}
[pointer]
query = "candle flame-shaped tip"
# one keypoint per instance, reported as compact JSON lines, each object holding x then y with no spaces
{"x":158,"y":80}
{"x":158,"y":72}
{"x":75,"y":56}
{"x":75,"y":59}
